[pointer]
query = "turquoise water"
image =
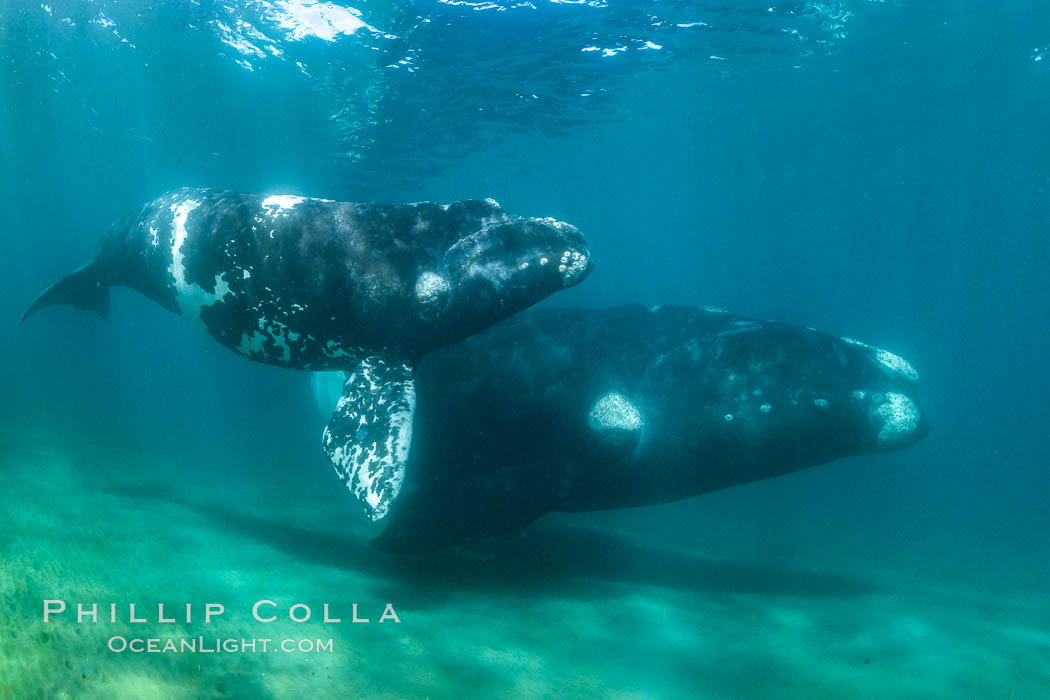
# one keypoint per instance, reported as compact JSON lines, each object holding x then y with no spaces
{"x":872,"y":169}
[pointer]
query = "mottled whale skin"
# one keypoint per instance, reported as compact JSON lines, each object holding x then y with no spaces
{"x":586,"y":409}
{"x":317,"y":284}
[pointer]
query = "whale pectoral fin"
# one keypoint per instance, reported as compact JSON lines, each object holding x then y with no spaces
{"x":446,"y":514}
{"x":368,"y":436}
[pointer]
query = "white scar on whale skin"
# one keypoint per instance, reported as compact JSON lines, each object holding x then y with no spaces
{"x":191,"y":297}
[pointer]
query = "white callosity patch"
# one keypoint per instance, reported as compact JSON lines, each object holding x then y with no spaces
{"x":898,"y":416}
{"x":278,"y":204}
{"x":820,"y":403}
{"x":572,"y":266}
{"x":896,"y":364}
{"x":369,"y":435}
{"x":431,"y":288}
{"x":614,"y":411}
{"x":191,"y":297}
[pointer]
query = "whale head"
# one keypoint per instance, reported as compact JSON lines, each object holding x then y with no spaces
{"x":505,"y":266}
{"x":526,"y":259}
{"x":890,"y":410}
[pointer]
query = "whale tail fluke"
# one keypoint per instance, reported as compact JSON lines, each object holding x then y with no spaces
{"x":82,"y":289}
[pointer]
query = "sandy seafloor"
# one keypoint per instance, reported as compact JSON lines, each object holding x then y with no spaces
{"x":568,"y":610}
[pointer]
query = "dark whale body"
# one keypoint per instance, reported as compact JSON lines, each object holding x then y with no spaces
{"x":585,"y":409}
{"x":317,"y":284}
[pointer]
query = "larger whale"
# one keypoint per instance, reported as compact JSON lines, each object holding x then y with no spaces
{"x":323,"y":285}
{"x":586,"y":409}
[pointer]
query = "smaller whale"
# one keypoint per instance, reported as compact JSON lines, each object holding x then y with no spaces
{"x":321,"y":285}
{"x":587,"y":409}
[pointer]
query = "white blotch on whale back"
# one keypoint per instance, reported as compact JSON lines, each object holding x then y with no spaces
{"x":820,"y":403}
{"x":858,"y":394}
{"x":277,"y":204}
{"x":766,"y":407}
{"x":191,"y":297}
{"x":899,"y":417}
{"x":431,"y":288}
{"x":896,"y":364}
{"x":614,"y":411}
